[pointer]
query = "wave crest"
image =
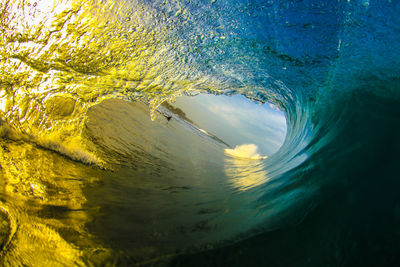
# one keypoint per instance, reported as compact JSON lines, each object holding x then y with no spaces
{"x":245,"y":151}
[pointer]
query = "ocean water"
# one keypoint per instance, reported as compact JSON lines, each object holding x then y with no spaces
{"x":93,"y":173}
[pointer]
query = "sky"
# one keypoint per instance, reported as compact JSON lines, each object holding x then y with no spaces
{"x":237,"y":120}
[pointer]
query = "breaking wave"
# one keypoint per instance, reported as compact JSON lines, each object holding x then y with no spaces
{"x":83,"y":78}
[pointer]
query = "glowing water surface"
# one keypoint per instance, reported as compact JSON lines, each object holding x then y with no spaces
{"x":169,"y":186}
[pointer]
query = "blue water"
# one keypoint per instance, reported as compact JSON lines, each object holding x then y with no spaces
{"x":328,"y":196}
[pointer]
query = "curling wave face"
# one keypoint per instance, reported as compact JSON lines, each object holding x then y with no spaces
{"x":333,"y":67}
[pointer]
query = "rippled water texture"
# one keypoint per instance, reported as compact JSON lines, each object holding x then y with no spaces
{"x":92,"y":173}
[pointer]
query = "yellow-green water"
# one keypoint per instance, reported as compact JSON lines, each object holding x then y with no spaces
{"x":164,"y":188}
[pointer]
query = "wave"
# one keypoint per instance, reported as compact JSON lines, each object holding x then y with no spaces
{"x":332,"y":67}
{"x":246,"y":151}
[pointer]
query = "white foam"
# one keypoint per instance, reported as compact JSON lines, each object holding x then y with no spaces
{"x":203,"y":131}
{"x":245,"y":151}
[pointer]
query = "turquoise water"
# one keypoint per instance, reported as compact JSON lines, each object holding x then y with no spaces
{"x":88,"y":178}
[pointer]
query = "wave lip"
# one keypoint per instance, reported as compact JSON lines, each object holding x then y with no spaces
{"x":245,"y":151}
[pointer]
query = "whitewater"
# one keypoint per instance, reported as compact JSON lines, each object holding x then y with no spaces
{"x":96,"y":168}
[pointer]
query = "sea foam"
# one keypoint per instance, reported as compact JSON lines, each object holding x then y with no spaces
{"x":245,"y":151}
